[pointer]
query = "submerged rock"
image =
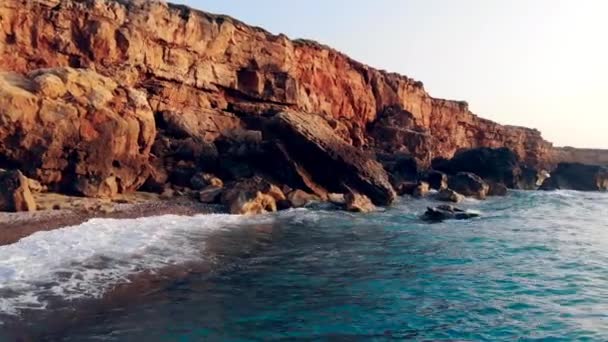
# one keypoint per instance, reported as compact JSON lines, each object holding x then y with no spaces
{"x":15,"y":194}
{"x":469,"y":185}
{"x":447,"y":212}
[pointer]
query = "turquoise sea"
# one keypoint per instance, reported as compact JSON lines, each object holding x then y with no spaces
{"x":533,"y":267}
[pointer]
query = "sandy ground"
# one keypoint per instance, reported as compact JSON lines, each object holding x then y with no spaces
{"x":56,"y":211}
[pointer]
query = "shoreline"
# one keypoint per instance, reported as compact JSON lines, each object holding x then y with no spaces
{"x":16,"y":226}
{"x":223,"y":247}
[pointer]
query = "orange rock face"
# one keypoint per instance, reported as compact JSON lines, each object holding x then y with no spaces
{"x":189,"y":60}
{"x":204,"y":76}
{"x":75,"y":130}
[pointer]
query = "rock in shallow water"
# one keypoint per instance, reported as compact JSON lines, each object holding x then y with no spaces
{"x":449,"y":195}
{"x":447,"y":212}
{"x":469,"y":184}
{"x":358,"y":203}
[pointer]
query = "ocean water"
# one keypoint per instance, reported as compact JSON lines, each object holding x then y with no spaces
{"x":533,"y":267}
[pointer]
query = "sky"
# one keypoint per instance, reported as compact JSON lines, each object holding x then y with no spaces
{"x":535,"y":63}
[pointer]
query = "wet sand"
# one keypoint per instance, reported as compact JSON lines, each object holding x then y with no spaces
{"x":72,"y":211}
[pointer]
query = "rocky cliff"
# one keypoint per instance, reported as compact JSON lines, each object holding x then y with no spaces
{"x":191,"y":61}
{"x":104,"y":96}
{"x":581,"y":155}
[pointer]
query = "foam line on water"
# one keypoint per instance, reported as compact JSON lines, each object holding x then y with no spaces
{"x":85,"y":260}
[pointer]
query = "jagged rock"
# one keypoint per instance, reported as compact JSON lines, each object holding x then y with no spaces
{"x":531,"y":178}
{"x":449,"y":195}
{"x":437,"y":180}
{"x":299,"y":198}
{"x":575,"y":176}
{"x":421,"y":190}
{"x":157,"y":178}
{"x":469,"y":185}
{"x":203,"y":180}
{"x":15,"y":192}
{"x":35,"y":186}
{"x":447,"y":212}
{"x":277,"y":162}
{"x":400,"y":167}
{"x":330,"y":161}
{"x":416,"y":189}
{"x":396,"y":129}
{"x":497,"y":189}
{"x":210,"y":194}
{"x":249,"y":197}
{"x":359,"y":203}
{"x":76,"y":130}
{"x":337,"y":199}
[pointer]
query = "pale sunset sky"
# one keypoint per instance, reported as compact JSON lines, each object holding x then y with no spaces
{"x":535,"y":63}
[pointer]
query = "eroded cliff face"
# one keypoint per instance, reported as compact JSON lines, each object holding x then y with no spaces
{"x":210,"y":67}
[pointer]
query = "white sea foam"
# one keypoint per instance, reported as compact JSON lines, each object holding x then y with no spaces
{"x":84,"y":261}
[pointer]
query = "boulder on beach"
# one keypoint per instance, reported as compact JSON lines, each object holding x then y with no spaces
{"x":469,"y":184}
{"x":15,"y":194}
{"x":447,"y":212}
{"x":576,"y":176}
{"x":250,"y":197}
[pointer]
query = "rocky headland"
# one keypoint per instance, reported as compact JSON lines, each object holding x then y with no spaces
{"x":112,"y":100}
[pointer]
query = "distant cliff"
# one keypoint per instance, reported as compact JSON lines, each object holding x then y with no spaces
{"x":210,"y":75}
{"x":581,"y":155}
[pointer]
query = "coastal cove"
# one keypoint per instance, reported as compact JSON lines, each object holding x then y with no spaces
{"x":168,"y":174}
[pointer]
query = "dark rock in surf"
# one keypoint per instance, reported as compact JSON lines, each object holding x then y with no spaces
{"x":447,"y":212}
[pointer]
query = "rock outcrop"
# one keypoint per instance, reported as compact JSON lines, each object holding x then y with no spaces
{"x":15,"y":194}
{"x":498,"y":165}
{"x":576,"y":176}
{"x":469,"y":184}
{"x":310,"y":139}
{"x":101,"y":97}
{"x":76,"y":131}
{"x":192,"y":63}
